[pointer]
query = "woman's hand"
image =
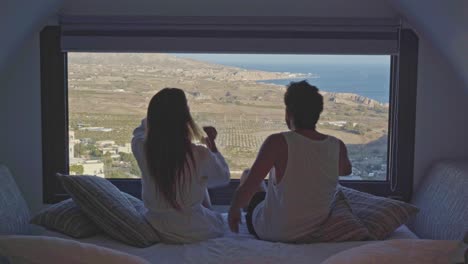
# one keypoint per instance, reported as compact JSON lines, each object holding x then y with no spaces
{"x":210,"y":132}
{"x":210,"y":140}
{"x":234,"y":219}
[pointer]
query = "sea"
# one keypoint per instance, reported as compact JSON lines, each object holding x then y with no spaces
{"x":371,"y":80}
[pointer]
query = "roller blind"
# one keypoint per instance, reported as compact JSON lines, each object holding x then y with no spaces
{"x":230,"y":35}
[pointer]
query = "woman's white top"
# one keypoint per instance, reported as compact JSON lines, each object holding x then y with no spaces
{"x":193,"y":222}
{"x":300,"y":202}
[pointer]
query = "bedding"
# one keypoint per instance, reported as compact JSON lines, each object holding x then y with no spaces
{"x":110,"y":209}
{"x":341,"y":225}
{"x":233,"y":248}
{"x":442,"y":196}
{"x":412,"y":251}
{"x":66,"y":217}
{"x":14,"y":212}
{"x":380,"y":215}
{"x":41,"y":249}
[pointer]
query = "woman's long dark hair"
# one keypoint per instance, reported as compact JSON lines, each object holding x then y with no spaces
{"x":169,"y":135}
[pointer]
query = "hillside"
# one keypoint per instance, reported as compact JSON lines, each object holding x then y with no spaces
{"x":167,"y":65}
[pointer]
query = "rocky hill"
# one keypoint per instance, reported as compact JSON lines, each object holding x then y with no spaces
{"x":167,"y":65}
{"x":353,"y":99}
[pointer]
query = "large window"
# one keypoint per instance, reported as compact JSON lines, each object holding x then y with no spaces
{"x":240,"y":94}
{"x":97,"y":81}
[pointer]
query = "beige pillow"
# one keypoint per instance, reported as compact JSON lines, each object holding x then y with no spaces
{"x":67,"y":218}
{"x":341,"y":225}
{"x":110,"y":210}
{"x":381,"y":216}
{"x":42,"y":249}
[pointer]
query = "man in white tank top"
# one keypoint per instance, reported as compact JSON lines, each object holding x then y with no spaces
{"x":303,"y":165}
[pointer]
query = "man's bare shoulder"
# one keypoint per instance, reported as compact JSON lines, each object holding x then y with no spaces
{"x":276,"y":141}
{"x":334,"y":138}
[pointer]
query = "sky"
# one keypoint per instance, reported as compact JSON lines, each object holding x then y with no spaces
{"x":287,"y":58}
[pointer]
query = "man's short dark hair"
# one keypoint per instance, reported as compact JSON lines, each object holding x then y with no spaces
{"x":304,"y":102}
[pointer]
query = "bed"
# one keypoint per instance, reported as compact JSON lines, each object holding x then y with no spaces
{"x":234,"y":248}
{"x":433,"y":222}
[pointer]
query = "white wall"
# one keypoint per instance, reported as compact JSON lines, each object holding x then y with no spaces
{"x":445,"y":24}
{"x":20,"y":119}
{"x":442,"y":108}
{"x":313,"y":8}
{"x":18,"y":20}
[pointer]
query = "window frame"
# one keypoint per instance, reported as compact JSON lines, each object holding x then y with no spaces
{"x":402,"y":117}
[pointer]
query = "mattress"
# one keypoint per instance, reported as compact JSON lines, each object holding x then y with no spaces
{"x":234,"y":248}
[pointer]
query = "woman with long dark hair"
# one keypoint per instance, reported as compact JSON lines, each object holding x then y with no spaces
{"x":176,"y":172}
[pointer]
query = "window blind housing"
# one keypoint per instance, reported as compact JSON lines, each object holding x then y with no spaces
{"x":286,"y":35}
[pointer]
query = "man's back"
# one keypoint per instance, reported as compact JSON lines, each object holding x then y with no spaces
{"x":298,"y":201}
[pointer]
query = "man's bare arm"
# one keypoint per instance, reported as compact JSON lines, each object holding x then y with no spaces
{"x":345,"y":167}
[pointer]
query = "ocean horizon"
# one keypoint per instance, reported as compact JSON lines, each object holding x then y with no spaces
{"x":372,"y":81}
{"x":358,"y":75}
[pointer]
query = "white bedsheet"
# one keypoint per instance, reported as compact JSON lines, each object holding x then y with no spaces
{"x":234,"y":248}
{"x":414,"y":251}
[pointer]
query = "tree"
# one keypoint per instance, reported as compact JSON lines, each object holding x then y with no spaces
{"x":95,"y":152}
{"x":126,"y":157}
{"x":135,"y":169}
{"x":107,"y":160}
{"x":78,"y":150}
{"x":77,"y":169}
{"x":116,"y":174}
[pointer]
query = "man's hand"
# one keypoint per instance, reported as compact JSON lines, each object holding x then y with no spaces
{"x":234,"y":219}
{"x":210,"y":140}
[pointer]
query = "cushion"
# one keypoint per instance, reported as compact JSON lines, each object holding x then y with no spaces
{"x":380,"y":215}
{"x":14,"y":212}
{"x":442,"y":197}
{"x":137,"y":203}
{"x":67,"y":218}
{"x":110,"y":210}
{"x":341,"y":225}
{"x":42,"y":249}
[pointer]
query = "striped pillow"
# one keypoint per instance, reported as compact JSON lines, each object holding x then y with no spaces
{"x":341,"y":225}
{"x":67,"y":218}
{"x":380,"y":215}
{"x":137,"y":203}
{"x":110,"y":210}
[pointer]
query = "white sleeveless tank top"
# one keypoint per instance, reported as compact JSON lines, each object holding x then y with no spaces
{"x":300,"y":203}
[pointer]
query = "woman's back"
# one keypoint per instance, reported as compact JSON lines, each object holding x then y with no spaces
{"x":297,"y":204}
{"x":192,"y":221}
{"x":190,"y":193}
